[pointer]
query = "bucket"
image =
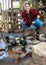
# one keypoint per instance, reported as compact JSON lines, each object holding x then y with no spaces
{"x":38,"y":23}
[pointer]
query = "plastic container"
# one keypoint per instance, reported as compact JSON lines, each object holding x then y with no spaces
{"x":38,"y":22}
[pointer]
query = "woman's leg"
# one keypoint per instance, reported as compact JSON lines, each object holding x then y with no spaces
{"x":33,"y":27}
{"x":36,"y":31}
{"x":24,"y":26}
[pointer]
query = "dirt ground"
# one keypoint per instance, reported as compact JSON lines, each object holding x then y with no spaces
{"x":24,"y":61}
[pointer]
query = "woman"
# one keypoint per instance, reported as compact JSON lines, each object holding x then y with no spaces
{"x":28,"y":17}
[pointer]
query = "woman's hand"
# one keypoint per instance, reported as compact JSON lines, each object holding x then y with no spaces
{"x":38,"y":16}
{"x":33,"y":22}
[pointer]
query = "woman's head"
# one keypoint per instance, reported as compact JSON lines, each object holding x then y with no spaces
{"x":27,"y":6}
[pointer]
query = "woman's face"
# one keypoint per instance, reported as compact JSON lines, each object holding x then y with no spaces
{"x":27,"y":7}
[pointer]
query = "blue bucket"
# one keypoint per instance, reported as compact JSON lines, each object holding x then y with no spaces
{"x":38,"y":23}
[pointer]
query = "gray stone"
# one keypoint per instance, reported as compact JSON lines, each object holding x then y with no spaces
{"x":39,"y":53}
{"x":42,"y":37}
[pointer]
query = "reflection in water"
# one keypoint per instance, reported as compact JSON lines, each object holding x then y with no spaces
{"x":3,"y":51}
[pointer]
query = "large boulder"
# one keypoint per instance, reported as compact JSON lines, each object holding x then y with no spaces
{"x":42,"y":37}
{"x":39,"y":53}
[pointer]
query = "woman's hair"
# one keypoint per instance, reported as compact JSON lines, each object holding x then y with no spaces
{"x":26,"y":3}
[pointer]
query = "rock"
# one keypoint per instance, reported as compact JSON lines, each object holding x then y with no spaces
{"x":29,"y":42}
{"x":42,"y":37}
{"x":39,"y":53}
{"x":32,"y":42}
